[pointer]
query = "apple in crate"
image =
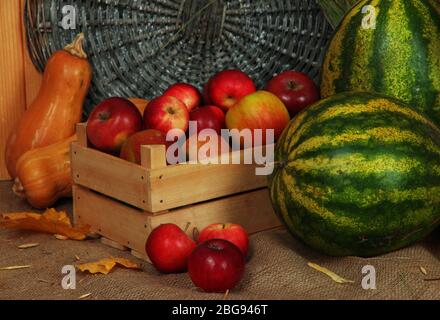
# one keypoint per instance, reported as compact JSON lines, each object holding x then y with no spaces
{"x":166,"y":113}
{"x":186,"y":93}
{"x":209,"y":117}
{"x":295,"y":89}
{"x":111,"y":123}
{"x":131,"y":149}
{"x":226,"y":88}
{"x":259,"y":110}
{"x":227,"y":231}
{"x":216,"y":265}
{"x":169,"y":248}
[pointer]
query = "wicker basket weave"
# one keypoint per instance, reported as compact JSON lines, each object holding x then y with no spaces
{"x":139,"y":47}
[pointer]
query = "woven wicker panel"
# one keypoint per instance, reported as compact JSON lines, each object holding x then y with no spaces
{"x":139,"y":47}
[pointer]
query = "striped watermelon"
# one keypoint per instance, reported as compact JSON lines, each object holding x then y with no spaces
{"x":358,"y":174}
{"x":399,"y":58}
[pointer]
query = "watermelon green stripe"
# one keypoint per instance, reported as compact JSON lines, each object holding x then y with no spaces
{"x":333,"y":59}
{"x":430,"y":23}
{"x":381,"y":135}
{"x":366,"y":198}
{"x":399,"y":58}
{"x":347,"y":57}
{"x":358,"y":174}
{"x":361,"y":66}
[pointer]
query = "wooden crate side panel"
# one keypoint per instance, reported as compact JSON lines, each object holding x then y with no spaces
{"x":180,"y":185}
{"x":130,"y":227}
{"x":252,"y":210}
{"x":110,"y":175}
{"x":123,"y":224}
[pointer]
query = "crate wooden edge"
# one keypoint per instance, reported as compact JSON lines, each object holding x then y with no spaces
{"x":173,"y":186}
{"x":126,"y":227}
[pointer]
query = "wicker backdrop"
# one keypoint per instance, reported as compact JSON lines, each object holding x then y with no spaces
{"x":138,"y":47}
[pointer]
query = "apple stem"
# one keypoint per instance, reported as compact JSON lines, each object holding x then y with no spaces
{"x":187,"y":227}
{"x":224,"y":226}
{"x":103,"y":116}
{"x":292,"y":85}
{"x":196,"y":234}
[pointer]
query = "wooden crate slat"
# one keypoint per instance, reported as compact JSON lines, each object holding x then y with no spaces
{"x":180,"y":185}
{"x":252,"y":210}
{"x":110,"y":175}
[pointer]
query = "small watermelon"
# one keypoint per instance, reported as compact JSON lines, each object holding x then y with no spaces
{"x":358,"y":174}
{"x":390,"y":47}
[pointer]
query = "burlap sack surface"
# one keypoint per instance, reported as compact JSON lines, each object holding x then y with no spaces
{"x":277,"y":270}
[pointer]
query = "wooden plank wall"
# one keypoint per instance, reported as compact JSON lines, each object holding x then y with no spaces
{"x":19,"y":80}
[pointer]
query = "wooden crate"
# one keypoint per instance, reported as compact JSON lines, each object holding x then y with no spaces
{"x":124,"y":202}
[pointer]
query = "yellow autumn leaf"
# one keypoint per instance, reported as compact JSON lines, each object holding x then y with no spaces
{"x":104,"y":266}
{"x":51,"y":221}
{"x":329,"y":273}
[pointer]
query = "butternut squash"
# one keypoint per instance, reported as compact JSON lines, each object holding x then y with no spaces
{"x":56,"y":110}
{"x":44,"y":175}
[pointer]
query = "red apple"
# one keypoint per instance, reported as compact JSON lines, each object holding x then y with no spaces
{"x":216,"y":266}
{"x":227,"y":231}
{"x":186,"y":93}
{"x":111,"y":123}
{"x":131,"y":149}
{"x":169,"y":248}
{"x":260,"y":110}
{"x":226,"y":88}
{"x":209,"y":117}
{"x":295,"y":89}
{"x":166,"y":113}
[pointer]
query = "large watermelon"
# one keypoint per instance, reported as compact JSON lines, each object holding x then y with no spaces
{"x":358,"y":174}
{"x":399,"y":58}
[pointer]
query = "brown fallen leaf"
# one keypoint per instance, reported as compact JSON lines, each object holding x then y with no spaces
{"x":16,"y":267}
{"x":28,"y":245}
{"x":104,"y":266}
{"x":51,"y":221}
{"x":329,"y":273}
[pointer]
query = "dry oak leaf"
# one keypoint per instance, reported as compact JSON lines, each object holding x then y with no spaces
{"x":104,"y":266}
{"x":51,"y":221}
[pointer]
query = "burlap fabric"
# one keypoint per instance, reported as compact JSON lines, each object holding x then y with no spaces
{"x":277,"y":270}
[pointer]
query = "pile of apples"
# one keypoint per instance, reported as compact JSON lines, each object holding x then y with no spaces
{"x":216,"y":264}
{"x":230,"y":100}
